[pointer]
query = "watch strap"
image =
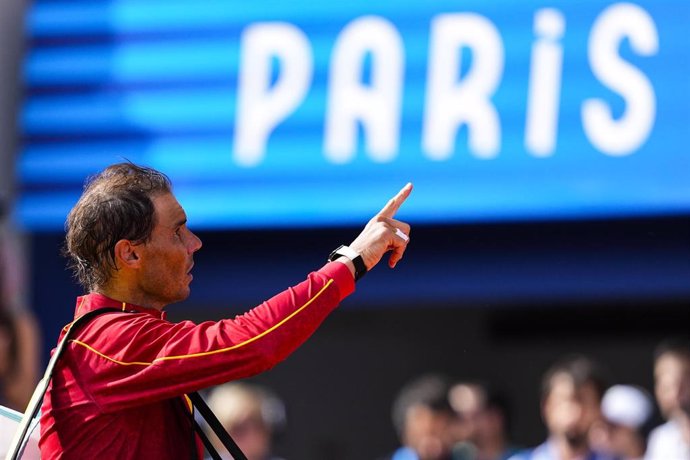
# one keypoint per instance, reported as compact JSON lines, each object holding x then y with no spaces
{"x":357,"y":261}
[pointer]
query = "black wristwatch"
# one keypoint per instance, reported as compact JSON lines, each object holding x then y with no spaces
{"x":357,"y":261}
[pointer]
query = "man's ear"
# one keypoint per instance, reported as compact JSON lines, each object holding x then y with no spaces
{"x":126,"y":254}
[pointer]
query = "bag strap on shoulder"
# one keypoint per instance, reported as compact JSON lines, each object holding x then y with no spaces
{"x":21,"y":437}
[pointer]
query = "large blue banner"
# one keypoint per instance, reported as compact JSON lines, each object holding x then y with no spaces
{"x":279,"y":114}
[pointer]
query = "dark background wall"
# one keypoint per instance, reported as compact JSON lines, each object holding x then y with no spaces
{"x":497,"y":303}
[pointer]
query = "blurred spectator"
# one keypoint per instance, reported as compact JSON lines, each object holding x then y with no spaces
{"x":482,"y":422}
{"x":423,"y":419}
{"x":571,"y":396}
{"x":7,"y":349}
{"x":19,"y":340}
{"x":627,"y":414}
{"x":672,"y":387}
{"x":251,"y":414}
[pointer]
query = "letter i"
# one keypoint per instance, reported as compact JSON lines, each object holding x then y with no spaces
{"x":544,"y":92}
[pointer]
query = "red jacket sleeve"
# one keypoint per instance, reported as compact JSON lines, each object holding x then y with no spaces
{"x":129,"y":359}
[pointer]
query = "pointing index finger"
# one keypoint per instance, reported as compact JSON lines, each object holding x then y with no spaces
{"x":394,"y":203}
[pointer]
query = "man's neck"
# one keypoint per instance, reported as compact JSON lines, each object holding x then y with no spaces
{"x":126,"y":295}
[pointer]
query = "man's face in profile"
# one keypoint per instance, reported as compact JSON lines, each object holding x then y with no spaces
{"x":167,"y":257}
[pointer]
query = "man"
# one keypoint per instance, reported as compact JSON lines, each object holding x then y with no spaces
{"x":251,"y":414}
{"x":117,"y":393}
{"x":482,"y":422}
{"x":672,"y":389}
{"x":423,"y":419}
{"x":571,"y":396}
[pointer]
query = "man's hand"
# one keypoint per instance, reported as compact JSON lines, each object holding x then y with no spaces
{"x":383,"y":233}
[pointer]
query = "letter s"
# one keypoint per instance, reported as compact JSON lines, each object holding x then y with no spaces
{"x":621,"y":137}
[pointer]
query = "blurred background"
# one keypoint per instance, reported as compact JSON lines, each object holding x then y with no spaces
{"x":546,"y":141}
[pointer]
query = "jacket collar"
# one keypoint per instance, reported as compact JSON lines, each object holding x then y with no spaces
{"x":94,"y":301}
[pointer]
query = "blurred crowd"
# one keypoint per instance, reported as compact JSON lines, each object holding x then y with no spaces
{"x":586,"y":418}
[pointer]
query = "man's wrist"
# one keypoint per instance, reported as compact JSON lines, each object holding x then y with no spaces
{"x":351,"y":259}
{"x":348,"y":263}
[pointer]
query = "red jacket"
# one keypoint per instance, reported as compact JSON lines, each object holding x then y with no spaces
{"x":116,"y":392}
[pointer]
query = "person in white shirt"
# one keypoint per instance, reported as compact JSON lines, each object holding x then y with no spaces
{"x":671,"y":441}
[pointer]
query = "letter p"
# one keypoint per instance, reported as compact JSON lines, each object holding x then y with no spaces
{"x":261,"y":105}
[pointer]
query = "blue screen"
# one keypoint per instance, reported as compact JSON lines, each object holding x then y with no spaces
{"x":284,"y":114}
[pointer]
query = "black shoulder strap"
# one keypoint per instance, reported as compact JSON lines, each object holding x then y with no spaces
{"x":21,"y":437}
{"x":217,"y":428}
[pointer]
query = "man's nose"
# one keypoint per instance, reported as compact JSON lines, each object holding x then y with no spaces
{"x":195,"y":243}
